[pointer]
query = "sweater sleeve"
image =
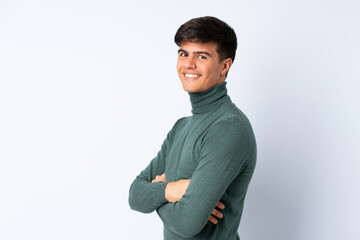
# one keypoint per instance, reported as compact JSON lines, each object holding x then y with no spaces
{"x":145,"y":196}
{"x":224,"y":152}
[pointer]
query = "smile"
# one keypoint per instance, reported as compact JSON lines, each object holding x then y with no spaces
{"x":188,"y":75}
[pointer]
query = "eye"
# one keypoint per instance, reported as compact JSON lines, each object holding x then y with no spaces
{"x":183,"y":54}
{"x":201,"y":57}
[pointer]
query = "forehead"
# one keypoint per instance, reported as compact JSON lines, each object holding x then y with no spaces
{"x":194,"y":46}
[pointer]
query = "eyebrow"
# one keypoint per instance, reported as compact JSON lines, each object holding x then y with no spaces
{"x":199,"y":52}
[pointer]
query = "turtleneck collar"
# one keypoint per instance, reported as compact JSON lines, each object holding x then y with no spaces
{"x":209,"y":100}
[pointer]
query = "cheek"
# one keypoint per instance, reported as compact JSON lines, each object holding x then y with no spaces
{"x":179,"y":63}
{"x":215,"y":70}
{"x":178,"y":70}
{"x":209,"y":71}
{"x":178,"y":67}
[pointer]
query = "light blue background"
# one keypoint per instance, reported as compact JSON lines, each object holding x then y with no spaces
{"x":88,"y":91}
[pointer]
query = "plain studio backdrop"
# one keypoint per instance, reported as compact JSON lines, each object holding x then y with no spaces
{"x":89,"y":90}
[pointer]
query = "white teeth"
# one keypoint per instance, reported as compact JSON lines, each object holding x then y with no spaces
{"x":191,"y":75}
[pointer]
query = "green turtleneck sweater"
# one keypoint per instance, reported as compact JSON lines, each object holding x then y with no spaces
{"x":216,"y":149}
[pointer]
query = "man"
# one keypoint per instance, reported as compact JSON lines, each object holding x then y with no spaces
{"x":198,"y":181}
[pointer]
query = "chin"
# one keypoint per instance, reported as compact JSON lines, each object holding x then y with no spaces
{"x":188,"y":90}
{"x":192,"y":90}
{"x":190,"y":87}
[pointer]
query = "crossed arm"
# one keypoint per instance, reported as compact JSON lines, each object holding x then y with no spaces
{"x":174,"y":191}
{"x":186,"y":205}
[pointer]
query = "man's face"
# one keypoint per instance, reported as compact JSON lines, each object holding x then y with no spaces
{"x":199,"y":66}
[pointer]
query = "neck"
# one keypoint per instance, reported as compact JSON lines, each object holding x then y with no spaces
{"x":209,"y":100}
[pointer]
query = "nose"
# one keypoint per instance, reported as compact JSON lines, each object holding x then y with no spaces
{"x":190,"y":63}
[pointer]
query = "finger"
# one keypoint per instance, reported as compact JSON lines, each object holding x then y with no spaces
{"x":163,"y":177}
{"x":156,"y":179}
{"x":216,"y":213}
{"x":220,"y":205}
{"x":213,"y":220}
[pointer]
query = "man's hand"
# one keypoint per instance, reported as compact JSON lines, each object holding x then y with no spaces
{"x":175,"y":190}
{"x":216,"y":213}
{"x":159,"y":178}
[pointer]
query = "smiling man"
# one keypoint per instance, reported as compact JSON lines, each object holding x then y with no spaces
{"x":199,"y":66}
{"x":198,"y":181}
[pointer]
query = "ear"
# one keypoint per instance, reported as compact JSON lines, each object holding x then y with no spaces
{"x":226,"y":66}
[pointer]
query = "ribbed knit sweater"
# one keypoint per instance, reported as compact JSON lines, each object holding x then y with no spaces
{"x":216,"y":149}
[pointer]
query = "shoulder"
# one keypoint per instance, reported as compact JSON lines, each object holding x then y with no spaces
{"x":231,"y":127}
{"x":179,"y":124}
{"x":230,"y":138}
{"x":230,"y":116}
{"x":229,"y":109}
